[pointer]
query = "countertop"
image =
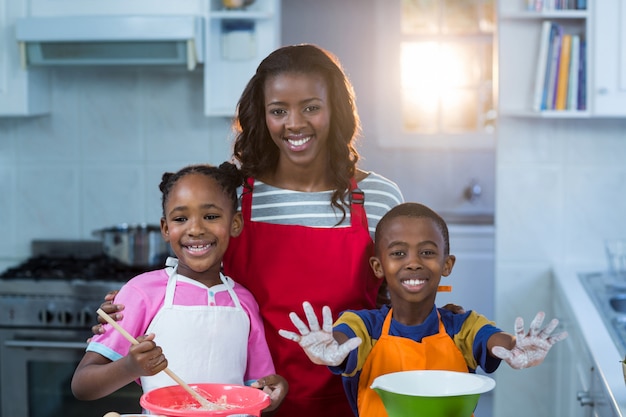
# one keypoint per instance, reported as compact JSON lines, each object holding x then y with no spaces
{"x":603,"y":350}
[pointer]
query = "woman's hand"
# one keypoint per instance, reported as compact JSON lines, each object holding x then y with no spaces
{"x":276,"y":387}
{"x":319,"y":344}
{"x":530,"y":349}
{"x":111,"y":309}
{"x":456,"y":309}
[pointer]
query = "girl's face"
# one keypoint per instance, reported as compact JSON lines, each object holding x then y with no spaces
{"x":297,"y":114}
{"x":410,"y":256}
{"x":199,"y":221}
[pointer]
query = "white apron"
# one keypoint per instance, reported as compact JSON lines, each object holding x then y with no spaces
{"x":202,"y":344}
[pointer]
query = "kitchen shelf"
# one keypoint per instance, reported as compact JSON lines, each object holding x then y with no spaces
{"x":519,"y":43}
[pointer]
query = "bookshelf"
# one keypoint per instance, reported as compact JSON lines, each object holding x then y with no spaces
{"x":520,"y":33}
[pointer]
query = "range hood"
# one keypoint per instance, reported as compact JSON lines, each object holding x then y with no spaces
{"x":111,"y":40}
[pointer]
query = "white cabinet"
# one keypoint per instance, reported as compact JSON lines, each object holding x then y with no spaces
{"x":609,"y":30}
{"x":22,"y":92}
{"x":236,"y":42}
{"x":473,"y":275}
{"x":579,"y":387}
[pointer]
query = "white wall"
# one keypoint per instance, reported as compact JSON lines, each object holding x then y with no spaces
{"x":97,"y":159}
{"x":561,"y":189}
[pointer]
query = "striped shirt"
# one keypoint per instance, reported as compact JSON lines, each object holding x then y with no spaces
{"x":313,"y":209}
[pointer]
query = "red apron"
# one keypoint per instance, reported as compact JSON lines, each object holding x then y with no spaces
{"x":284,"y":265}
{"x":396,"y":353}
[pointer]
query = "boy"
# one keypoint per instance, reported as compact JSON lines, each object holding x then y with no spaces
{"x":412,"y":253}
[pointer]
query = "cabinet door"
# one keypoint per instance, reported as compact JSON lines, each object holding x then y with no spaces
{"x":574,"y":396}
{"x":22,"y":92}
{"x":236,"y":42}
{"x":609,"y":58}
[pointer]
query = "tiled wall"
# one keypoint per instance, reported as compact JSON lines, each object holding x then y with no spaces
{"x":97,"y":159}
{"x":561,"y":190}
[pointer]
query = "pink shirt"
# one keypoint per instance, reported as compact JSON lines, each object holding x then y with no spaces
{"x":143,"y":297}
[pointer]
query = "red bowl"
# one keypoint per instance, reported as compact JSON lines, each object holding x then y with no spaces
{"x":174,"y":401}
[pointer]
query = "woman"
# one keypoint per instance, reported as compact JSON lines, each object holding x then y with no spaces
{"x":309,"y":212}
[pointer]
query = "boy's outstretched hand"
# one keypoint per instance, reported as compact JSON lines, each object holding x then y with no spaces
{"x":530,"y":349}
{"x":319,"y":344}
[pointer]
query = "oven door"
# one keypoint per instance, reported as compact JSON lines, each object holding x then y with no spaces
{"x":36,"y":368}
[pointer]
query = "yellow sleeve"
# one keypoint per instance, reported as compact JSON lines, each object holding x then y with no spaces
{"x":464,"y":339}
{"x":358,"y":327}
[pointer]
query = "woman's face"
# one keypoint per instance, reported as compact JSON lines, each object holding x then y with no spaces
{"x":297,"y":113}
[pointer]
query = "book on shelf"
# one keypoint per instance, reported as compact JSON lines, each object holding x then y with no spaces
{"x":572,"y":90}
{"x":560,"y":101}
{"x":582,"y":76}
{"x":542,"y":61}
{"x":553,"y":67}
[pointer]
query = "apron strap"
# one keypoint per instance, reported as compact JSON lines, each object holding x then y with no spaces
{"x":246,"y":200}
{"x":172,"y":268}
{"x":231,"y":291}
{"x":357,"y":206}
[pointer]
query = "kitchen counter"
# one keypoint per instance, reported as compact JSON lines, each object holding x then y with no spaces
{"x":604,"y":352}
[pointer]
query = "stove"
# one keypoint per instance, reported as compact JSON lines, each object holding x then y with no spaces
{"x":48,"y":306}
{"x":57,"y":288}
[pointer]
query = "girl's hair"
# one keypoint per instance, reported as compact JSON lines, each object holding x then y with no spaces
{"x":227,"y":175}
{"x":254,"y":148}
{"x":414,"y":210}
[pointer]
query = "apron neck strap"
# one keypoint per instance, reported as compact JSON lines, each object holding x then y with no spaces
{"x":357,"y":206}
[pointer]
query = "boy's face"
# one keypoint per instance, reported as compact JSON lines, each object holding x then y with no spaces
{"x":410,"y":255}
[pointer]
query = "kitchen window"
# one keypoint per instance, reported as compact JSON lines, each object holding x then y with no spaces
{"x":436,"y":73}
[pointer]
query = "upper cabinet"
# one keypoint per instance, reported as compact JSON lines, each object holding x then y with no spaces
{"x":562,"y":62}
{"x":229,"y":41}
{"x":22,"y":92}
{"x":609,"y":28}
{"x":236,"y":42}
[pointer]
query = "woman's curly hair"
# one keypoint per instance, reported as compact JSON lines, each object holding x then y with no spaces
{"x":254,"y":149}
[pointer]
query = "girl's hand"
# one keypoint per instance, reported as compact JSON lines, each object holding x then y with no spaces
{"x":530,"y":349}
{"x":145,"y":358}
{"x":319,"y":344}
{"x":111,"y":309}
{"x":276,"y":387}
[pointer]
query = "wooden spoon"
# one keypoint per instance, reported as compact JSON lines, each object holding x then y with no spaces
{"x":203,"y":401}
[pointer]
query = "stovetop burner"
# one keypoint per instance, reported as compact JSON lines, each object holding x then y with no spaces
{"x":94,"y":268}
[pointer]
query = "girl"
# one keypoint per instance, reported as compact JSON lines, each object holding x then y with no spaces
{"x":203,"y":324}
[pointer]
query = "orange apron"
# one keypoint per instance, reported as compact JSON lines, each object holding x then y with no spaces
{"x":284,"y":265}
{"x":396,"y":353}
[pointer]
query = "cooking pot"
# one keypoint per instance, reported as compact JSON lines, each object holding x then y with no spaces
{"x":135,"y":245}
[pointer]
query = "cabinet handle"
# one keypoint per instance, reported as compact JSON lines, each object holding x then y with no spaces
{"x":584,"y":398}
